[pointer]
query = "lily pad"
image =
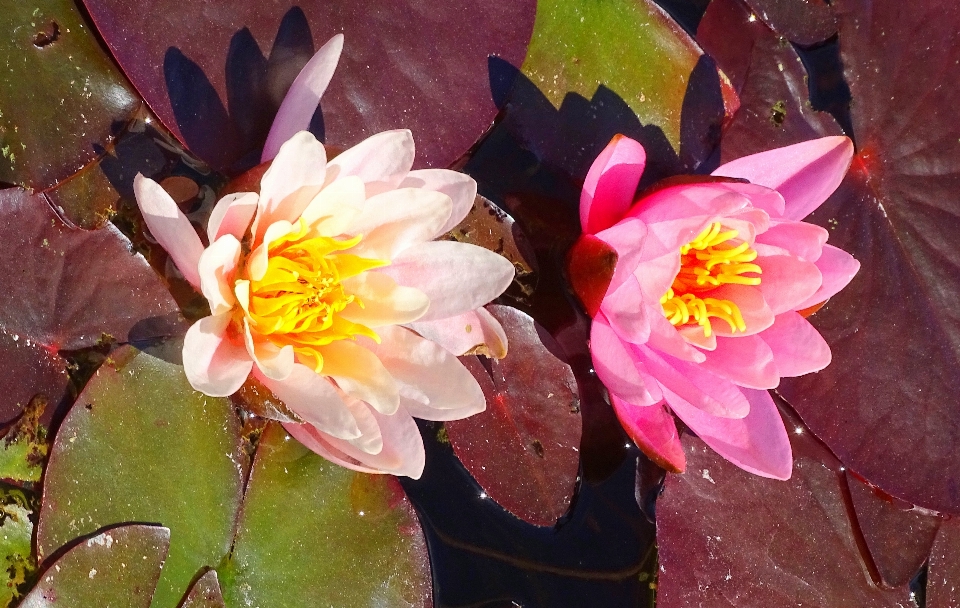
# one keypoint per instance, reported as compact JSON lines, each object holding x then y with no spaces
{"x":943,"y":576}
{"x":117,"y":568}
{"x":312,"y":533}
{"x":524,"y":449}
{"x":67,"y":289}
{"x":802,"y":21}
{"x":219,"y":91}
{"x":61,"y":98}
{"x":30,"y":372}
{"x":17,"y":560}
{"x":205,"y":593}
{"x":140,"y":445}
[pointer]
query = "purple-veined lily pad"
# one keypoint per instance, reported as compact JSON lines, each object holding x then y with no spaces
{"x":943,"y":576}
{"x":66,"y":289}
{"x":118,"y":568}
{"x":312,"y":533}
{"x":524,"y":450}
{"x":801,"y":21}
{"x":728,"y":538}
{"x":139,"y":445}
{"x":219,"y":91}
{"x":61,"y":98}
{"x":205,"y":593}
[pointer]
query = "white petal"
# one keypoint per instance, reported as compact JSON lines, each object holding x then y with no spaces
{"x":381,"y":161}
{"x":360,"y":374}
{"x":169,"y":226}
{"x":295,"y":177}
{"x":315,"y":400}
{"x":399,"y":219}
{"x":216,"y":268}
{"x":212,"y":363}
{"x":461,"y":188}
{"x":232,"y":215}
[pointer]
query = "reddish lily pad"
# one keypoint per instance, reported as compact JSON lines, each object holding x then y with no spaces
{"x":118,"y":568}
{"x":30,"y":371}
{"x":220,"y":91}
{"x":312,"y":533}
{"x":802,"y":21}
{"x":61,"y":97}
{"x":67,"y":289}
{"x":729,"y":538}
{"x":140,"y":445}
{"x":943,"y":576}
{"x":524,"y":450}
{"x":205,"y":593}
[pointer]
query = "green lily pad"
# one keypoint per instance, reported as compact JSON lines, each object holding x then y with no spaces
{"x":116,"y":569}
{"x":312,"y":533}
{"x":140,"y":445}
{"x":17,"y":560}
{"x":60,"y":95}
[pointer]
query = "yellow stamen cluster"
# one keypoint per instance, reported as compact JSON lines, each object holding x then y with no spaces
{"x":299,"y":298}
{"x":707,"y":262}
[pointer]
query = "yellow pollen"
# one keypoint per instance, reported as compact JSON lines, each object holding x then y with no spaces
{"x":300,"y":298}
{"x":707,"y":262}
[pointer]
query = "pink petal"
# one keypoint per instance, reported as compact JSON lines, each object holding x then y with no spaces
{"x":457,"y":277}
{"x":315,"y":400}
{"x":314,"y":441}
{"x":665,"y":338}
{"x":798,"y":348}
{"x":382,"y":301}
{"x":435,"y":385}
{"x":695,"y":385}
{"x":258,"y":260}
{"x":296,"y":175}
{"x":169,"y":226}
{"x":805,"y":173}
{"x":761,"y":197}
{"x":799,"y":238}
{"x":627,"y":239}
{"x":787,"y":281}
{"x":654,"y":431}
{"x":461,"y":188}
{"x":753,"y":307}
{"x":757,"y":443}
{"x":213,"y":364}
{"x":337,"y":206}
{"x":273,"y":361}
{"x":232,"y":215}
{"x":626,"y":313}
{"x":360,"y":374}
{"x":687,"y":201}
{"x":473,"y":331}
{"x":217,"y":267}
{"x":382,"y":161}
{"x":656,"y":276}
{"x":611,"y":184}
{"x":303,"y":97}
{"x":399,"y":219}
{"x":619,"y":368}
{"x":746,"y":361}
{"x":838,"y":268}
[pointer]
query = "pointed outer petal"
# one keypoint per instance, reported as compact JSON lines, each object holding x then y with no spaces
{"x":461,"y":188}
{"x":665,"y":338}
{"x":805,"y":173}
{"x":397,"y":220}
{"x":360,"y":374}
{"x":797,"y":346}
{"x":443,"y":389}
{"x":169,"y":226}
{"x":695,"y":336}
{"x":590,"y":266}
{"x":457,"y":277}
{"x":383,"y":301}
{"x":761,"y":197}
{"x":472,"y":331}
{"x":335,"y":207}
{"x":803,"y":240}
{"x":746,"y":361}
{"x":757,"y":443}
{"x":787,"y":281}
{"x":618,"y":366}
{"x":303,"y":97}
{"x":382,"y":161}
{"x":402,"y":452}
{"x":754,"y":308}
{"x":748,"y":223}
{"x":314,"y":441}
{"x":293,"y":179}
{"x":654,"y":431}
{"x":213,"y":364}
{"x":627,"y":313}
{"x":626,"y":238}
{"x":837,"y":268}
{"x":686,"y":201}
{"x":315,"y":399}
{"x":611,"y":184}
{"x":701,"y":389}
{"x":217,"y":267}
{"x":274,"y":362}
{"x":257,"y":260}
{"x":232,"y":215}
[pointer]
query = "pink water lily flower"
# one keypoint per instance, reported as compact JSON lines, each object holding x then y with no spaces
{"x":706,"y":278}
{"x":329,"y":287}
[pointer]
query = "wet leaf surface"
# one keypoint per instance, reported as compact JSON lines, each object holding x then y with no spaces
{"x":17,"y":560}
{"x":140,"y":445}
{"x":312,"y":533}
{"x":66,"y":289}
{"x":729,"y":538}
{"x":61,"y":98}
{"x":801,"y":21}
{"x":116,"y":568}
{"x":219,"y":91}
{"x":943,"y":576}
{"x":205,"y":593}
{"x":898,"y":536}
{"x":30,"y":371}
{"x":524,"y":450}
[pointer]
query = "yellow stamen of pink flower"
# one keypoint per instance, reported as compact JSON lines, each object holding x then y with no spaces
{"x":707,"y":262}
